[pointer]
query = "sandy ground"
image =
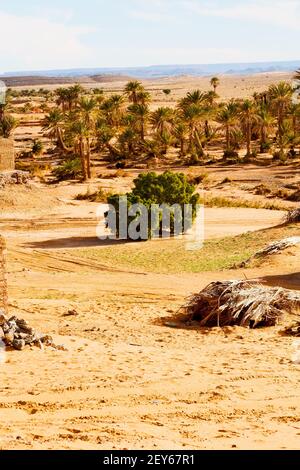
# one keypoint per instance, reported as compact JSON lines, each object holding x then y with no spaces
{"x":127,"y":381}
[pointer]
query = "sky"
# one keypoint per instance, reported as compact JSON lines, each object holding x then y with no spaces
{"x":63,"y":34}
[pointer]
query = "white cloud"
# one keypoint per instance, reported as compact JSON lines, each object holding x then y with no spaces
{"x":154,"y":10}
{"x":285,"y":13}
{"x":184,"y":55}
{"x":31,"y":43}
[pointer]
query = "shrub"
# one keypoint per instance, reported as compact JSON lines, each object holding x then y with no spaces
{"x":149,"y":188}
{"x":7,"y":125}
{"x":198,"y":179}
{"x":97,"y":196}
{"x":69,"y":170}
{"x":37,"y":148}
{"x":231,"y":154}
{"x":279,"y":156}
{"x":193,"y":160}
{"x":265,"y":147}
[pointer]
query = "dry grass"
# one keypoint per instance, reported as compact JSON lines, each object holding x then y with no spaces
{"x":210,"y":200}
{"x":172,"y":256}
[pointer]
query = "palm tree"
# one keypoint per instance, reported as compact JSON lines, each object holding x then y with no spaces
{"x":248,"y":114}
{"x":87,"y":108}
{"x":54,"y":123}
{"x":194,"y":115}
{"x":295,"y":115}
{"x":141,"y":113}
{"x":161,"y":118}
{"x":265,"y":123}
{"x":74,"y":93}
{"x":128,"y":140}
{"x":227,"y":117}
{"x":132,"y":89}
{"x":281,"y":99}
{"x":215,"y":82}
{"x":143,"y":97}
{"x":196,"y":97}
{"x":180,"y":132}
{"x":113,"y":110}
{"x":211,"y":96}
{"x":80,"y":132}
{"x":62,"y":98}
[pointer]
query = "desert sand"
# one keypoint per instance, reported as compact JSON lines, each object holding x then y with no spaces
{"x":126,"y":380}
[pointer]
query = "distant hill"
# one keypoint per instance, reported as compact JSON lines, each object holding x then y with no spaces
{"x":43,"y":80}
{"x":154,"y":71}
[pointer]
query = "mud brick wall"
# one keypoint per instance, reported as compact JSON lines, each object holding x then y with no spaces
{"x":7,"y":154}
{"x":3,"y":281}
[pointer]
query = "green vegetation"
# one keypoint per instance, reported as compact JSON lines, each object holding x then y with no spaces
{"x":210,"y":200}
{"x":150,"y":188}
{"x":94,"y":196}
{"x":71,"y":169}
{"x":171,"y":256}
{"x":7,"y":125}
{"x":122,"y":127}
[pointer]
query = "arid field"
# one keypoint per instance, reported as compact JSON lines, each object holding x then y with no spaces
{"x":130,"y":375}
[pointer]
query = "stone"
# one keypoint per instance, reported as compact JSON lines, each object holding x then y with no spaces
{"x":28,"y":330}
{"x":22,"y":323}
{"x":47,"y":340}
{"x":19,"y":344}
{"x":3,"y":318}
{"x":1,"y":333}
{"x":30,"y":339}
{"x":9,"y":337}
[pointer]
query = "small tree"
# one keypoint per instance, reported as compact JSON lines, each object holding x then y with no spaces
{"x":215,"y":82}
{"x":7,"y":125}
{"x":153,"y":189}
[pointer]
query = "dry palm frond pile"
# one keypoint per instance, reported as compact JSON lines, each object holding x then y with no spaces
{"x":293,"y":216}
{"x":272,"y":249}
{"x":244,"y":303}
{"x":278,"y":246}
{"x":293,"y":330}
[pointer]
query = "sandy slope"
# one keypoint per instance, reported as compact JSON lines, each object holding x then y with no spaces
{"x":128,"y":381}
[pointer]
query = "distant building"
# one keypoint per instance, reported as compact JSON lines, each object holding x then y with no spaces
{"x":7,"y":154}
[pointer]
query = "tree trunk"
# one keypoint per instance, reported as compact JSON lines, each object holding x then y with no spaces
{"x":61,"y":141}
{"x":248,"y":138}
{"x":142,"y":130}
{"x":182,"y":147}
{"x":88,"y":158}
{"x":82,"y":159}
{"x":199,"y":143}
{"x":227,"y":138}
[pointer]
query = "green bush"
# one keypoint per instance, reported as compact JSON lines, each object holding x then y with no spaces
{"x":37,"y":148}
{"x":69,"y":170}
{"x":265,"y":147}
{"x":231,"y":154}
{"x":167,"y":188}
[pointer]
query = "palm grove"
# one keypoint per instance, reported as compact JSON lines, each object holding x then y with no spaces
{"x":122,"y":127}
